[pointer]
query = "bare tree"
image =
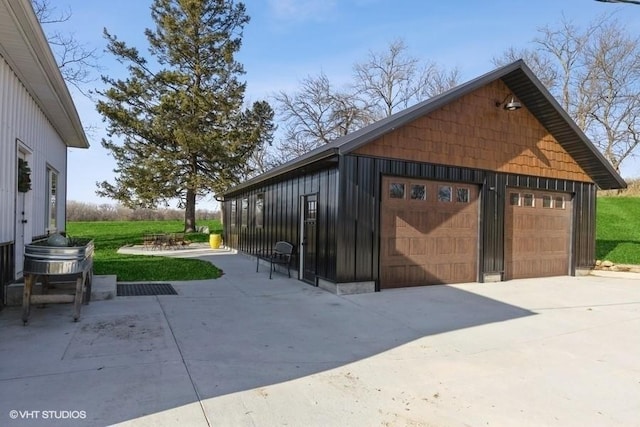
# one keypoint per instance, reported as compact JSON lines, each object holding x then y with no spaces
{"x":594,"y":72}
{"x":318,"y":114}
{"x":612,"y":87}
{"x":393,"y":80}
{"x":75,"y":60}
{"x":541,"y":64}
{"x":438,"y":80}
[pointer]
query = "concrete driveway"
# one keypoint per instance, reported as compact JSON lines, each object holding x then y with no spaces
{"x":244,"y":350}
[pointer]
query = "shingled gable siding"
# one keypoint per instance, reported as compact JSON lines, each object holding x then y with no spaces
{"x":472,"y":132}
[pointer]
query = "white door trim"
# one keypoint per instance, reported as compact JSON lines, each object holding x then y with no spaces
{"x":21,"y":212}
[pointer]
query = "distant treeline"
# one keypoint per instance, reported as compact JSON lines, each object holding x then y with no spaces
{"x":79,"y":211}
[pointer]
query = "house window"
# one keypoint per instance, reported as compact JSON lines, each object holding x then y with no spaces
{"x":244,"y":213}
{"x":559,"y":202}
{"x":528,"y":200}
{"x":463,"y":195}
{"x":514,"y":199}
{"x":546,"y":202}
{"x":418,"y":192}
{"x":260,"y":210}
{"x":396,"y":190}
{"x":444,"y":193}
{"x":233,"y":213}
{"x":52,"y":201}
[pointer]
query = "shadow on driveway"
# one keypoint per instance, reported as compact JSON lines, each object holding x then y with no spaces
{"x":136,"y":356}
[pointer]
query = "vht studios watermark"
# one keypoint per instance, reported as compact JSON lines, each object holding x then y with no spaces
{"x":47,"y":415}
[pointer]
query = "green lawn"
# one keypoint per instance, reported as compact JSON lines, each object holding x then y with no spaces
{"x":109,"y":236}
{"x":618,"y":229}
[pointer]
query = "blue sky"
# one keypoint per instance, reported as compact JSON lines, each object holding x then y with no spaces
{"x":288,"y":40}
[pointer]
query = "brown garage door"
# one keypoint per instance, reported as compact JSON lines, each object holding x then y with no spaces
{"x":537,"y":234}
{"x":429,"y":233}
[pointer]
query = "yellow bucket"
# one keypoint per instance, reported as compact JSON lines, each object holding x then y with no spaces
{"x":215,"y":240}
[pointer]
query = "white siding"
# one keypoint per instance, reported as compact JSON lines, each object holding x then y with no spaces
{"x":7,"y":156}
{"x":21,"y":119}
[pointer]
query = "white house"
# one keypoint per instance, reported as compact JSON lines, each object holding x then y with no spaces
{"x":38,"y":122}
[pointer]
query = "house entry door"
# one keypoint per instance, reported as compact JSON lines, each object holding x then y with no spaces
{"x":309,"y":237}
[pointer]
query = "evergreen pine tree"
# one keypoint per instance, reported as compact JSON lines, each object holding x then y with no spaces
{"x":183,"y":130}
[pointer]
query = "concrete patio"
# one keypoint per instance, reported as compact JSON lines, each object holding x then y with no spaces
{"x":244,"y":350}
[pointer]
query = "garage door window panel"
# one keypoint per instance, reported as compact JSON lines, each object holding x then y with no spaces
{"x":463,"y":195}
{"x":444,"y":194}
{"x":396,"y":190}
{"x":547,"y":202}
{"x":418,"y":192}
{"x":514,"y":199}
{"x":528,"y":200}
{"x":559,"y":202}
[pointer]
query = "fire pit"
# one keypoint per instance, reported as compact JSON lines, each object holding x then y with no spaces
{"x":48,"y":257}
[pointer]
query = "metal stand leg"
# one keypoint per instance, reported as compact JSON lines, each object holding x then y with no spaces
{"x":29,"y":280}
{"x":79,"y":297}
{"x":87,"y":289}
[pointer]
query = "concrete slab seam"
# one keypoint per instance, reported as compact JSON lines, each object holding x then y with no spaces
{"x":184,"y":363}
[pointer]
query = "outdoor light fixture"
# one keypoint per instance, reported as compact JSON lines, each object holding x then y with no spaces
{"x":512,"y":105}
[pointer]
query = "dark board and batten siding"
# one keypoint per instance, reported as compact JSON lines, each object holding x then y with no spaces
{"x":358,"y":229}
{"x":585,"y":220}
{"x":282,"y":217}
{"x":7,"y":265}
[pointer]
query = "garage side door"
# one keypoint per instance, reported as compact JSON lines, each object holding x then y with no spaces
{"x":537,"y":234}
{"x":429,"y":233}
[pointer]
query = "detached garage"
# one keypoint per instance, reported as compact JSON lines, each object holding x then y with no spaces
{"x":489,"y":181}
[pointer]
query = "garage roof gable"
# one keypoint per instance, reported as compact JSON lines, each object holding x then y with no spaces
{"x":523,"y":84}
{"x":531,"y":92}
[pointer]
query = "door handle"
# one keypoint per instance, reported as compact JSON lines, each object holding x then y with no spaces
{"x":24,"y":221}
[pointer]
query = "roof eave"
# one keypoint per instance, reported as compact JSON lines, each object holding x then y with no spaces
{"x":323,"y":153}
{"x":29,"y":55}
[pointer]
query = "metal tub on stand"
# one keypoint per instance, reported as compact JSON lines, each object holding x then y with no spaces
{"x":41,"y":260}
